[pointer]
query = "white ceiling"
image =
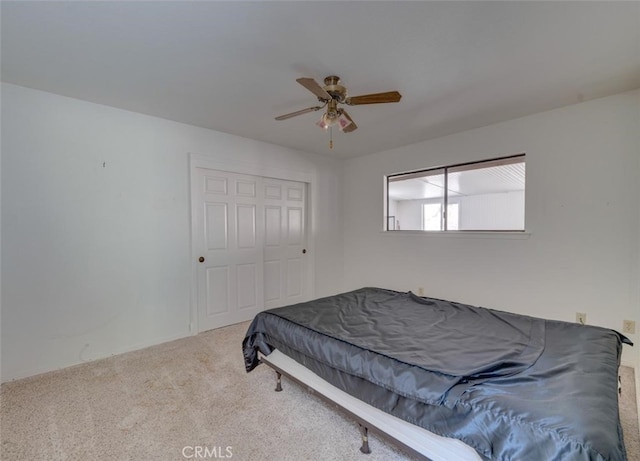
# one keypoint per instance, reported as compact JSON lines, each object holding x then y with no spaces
{"x":231,"y":66}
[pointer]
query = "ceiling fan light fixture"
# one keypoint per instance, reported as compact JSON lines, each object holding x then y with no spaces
{"x":322,"y":123}
{"x":327,"y":121}
{"x":339,"y":120}
{"x":343,"y":122}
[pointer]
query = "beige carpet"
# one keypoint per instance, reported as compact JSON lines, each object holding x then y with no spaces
{"x":167,"y":401}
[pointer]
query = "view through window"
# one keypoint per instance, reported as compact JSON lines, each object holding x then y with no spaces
{"x":480,"y":196}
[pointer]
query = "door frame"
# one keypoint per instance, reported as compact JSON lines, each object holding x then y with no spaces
{"x":209,"y":162}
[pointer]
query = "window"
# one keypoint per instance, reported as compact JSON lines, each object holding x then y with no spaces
{"x":479,"y":196}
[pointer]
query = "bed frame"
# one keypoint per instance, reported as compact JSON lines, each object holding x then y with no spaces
{"x":413,"y":439}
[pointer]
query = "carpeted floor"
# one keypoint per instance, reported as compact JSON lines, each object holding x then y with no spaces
{"x":629,"y":414}
{"x":189,"y":397}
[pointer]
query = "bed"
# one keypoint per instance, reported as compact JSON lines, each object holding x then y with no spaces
{"x":509,"y":386}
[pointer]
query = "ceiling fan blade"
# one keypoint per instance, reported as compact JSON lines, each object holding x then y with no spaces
{"x":350,"y":127}
{"x":374,"y":98}
{"x":299,"y":112}
{"x":313,"y":86}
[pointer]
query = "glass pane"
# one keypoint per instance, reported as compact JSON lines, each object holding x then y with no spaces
{"x":489,"y":197}
{"x":432,"y":216}
{"x":452,"y":216}
{"x":409,"y":194}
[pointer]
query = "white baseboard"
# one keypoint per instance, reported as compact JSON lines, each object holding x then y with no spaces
{"x":627,"y":363}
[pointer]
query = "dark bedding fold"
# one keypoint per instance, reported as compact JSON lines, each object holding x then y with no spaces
{"x":512,"y":387}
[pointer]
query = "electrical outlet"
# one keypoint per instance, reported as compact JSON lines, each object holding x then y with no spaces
{"x":581,"y":318}
{"x":629,"y":327}
{"x":420,"y":291}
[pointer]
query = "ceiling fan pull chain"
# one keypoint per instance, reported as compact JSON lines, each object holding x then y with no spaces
{"x":330,"y":137}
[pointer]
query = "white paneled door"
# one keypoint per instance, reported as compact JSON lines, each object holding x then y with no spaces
{"x":284,"y":243}
{"x":250,"y":241}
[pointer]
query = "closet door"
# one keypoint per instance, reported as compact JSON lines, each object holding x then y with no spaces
{"x":284,"y":243}
{"x":230,"y":267}
{"x":250,"y":246}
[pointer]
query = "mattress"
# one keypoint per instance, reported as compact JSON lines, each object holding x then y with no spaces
{"x":511,"y":387}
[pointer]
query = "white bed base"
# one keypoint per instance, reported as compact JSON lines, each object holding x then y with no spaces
{"x":412,"y":438}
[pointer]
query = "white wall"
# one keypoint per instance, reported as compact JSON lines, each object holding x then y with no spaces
{"x":0,"y":244}
{"x":95,"y":261}
{"x":582,"y":161}
{"x":95,"y":226}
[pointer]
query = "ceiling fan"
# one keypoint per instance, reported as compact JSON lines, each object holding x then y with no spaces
{"x":332,"y":94}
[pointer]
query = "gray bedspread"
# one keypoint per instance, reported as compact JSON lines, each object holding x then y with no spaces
{"x":512,"y":387}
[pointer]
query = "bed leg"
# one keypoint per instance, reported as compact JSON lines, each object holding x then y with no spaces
{"x":365,"y":439}
{"x":619,"y":385}
{"x":278,"y":384}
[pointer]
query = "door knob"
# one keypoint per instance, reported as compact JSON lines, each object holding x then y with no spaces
{"x":201,"y":259}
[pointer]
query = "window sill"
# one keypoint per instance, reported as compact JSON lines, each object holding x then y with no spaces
{"x":506,"y":235}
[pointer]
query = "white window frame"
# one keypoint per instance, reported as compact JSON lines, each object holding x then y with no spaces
{"x":515,"y":233}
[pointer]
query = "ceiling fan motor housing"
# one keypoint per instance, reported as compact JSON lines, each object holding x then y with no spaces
{"x":335,"y":90}
{"x":332,"y":109}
